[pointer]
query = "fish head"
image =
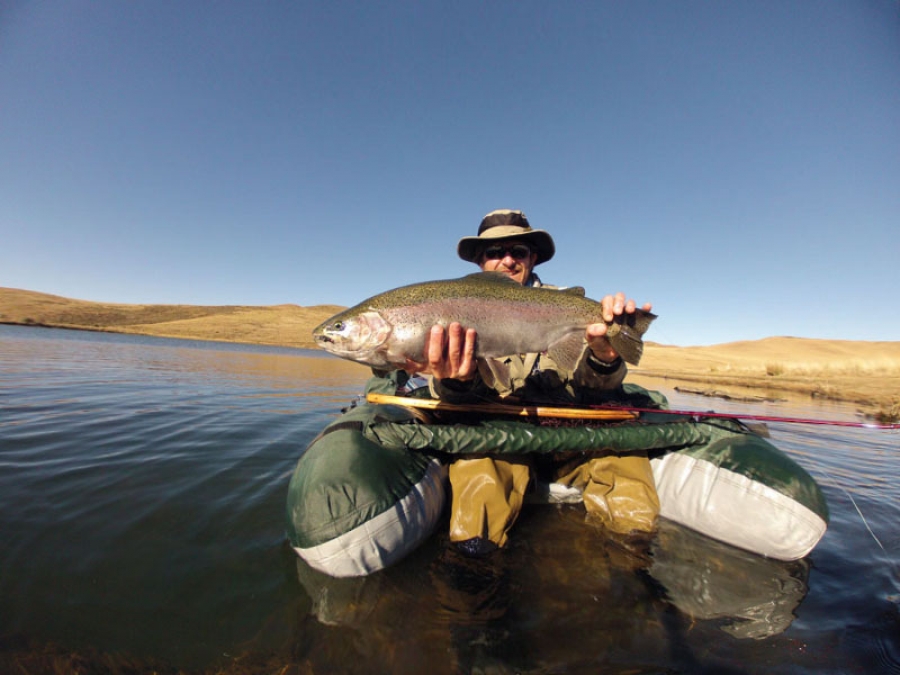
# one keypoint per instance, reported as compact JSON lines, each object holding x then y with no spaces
{"x":355,"y":335}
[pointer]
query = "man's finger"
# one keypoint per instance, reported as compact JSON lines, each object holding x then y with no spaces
{"x":606,"y":308}
{"x":468,"y":355}
{"x":454,"y":349}
{"x":436,"y":346}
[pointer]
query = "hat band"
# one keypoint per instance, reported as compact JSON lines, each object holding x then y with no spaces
{"x":498,"y":231}
{"x":504,"y":217}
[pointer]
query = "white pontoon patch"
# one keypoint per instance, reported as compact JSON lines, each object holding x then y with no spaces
{"x":733,"y":508}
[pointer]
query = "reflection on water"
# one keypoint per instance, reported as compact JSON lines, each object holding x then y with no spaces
{"x":142,"y":497}
{"x":756,"y":597}
{"x":575,"y":590}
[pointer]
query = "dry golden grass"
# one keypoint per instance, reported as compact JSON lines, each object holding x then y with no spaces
{"x":866,"y":373}
{"x":287,"y":325}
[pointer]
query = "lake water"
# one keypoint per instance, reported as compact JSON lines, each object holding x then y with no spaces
{"x":142,"y":517}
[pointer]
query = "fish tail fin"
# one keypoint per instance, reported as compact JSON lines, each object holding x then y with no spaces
{"x":626,"y":332}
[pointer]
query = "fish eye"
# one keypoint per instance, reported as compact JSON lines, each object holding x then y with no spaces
{"x":338,"y":325}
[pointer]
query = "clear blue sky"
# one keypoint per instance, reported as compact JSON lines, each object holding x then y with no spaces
{"x":735,"y":163}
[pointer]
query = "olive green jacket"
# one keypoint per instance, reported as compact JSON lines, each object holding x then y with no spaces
{"x":537,"y":378}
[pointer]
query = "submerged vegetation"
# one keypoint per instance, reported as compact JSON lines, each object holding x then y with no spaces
{"x":889,"y":415}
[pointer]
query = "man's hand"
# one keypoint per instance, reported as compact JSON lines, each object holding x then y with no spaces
{"x":612,"y":306}
{"x":448,"y":356}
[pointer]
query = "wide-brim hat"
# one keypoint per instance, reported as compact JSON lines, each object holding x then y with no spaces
{"x":506,"y":224}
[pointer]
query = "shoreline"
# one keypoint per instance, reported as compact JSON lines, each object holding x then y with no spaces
{"x":862,"y":373}
{"x":876,"y":397}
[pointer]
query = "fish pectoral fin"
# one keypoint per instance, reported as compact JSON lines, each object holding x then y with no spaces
{"x":494,"y":371}
{"x":566,"y":351}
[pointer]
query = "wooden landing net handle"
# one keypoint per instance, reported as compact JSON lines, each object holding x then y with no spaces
{"x":503,"y":408}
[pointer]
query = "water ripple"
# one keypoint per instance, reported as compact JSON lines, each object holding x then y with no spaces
{"x":142,"y":488}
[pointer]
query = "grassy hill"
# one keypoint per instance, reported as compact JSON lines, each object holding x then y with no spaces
{"x":867,"y":373}
{"x":287,"y":325}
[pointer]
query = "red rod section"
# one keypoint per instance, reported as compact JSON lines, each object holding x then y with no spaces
{"x":757,"y":418}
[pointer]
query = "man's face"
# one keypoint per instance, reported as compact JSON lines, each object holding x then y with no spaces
{"x":512,"y":257}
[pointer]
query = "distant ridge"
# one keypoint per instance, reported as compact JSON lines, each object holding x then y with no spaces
{"x":287,"y":325}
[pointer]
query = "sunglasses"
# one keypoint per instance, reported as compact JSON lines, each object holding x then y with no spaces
{"x":497,"y":252}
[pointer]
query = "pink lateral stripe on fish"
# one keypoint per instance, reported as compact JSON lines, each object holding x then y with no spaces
{"x":391,"y":327}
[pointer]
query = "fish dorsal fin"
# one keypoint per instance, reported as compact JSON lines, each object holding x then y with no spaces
{"x":493,"y":277}
{"x":501,"y":278}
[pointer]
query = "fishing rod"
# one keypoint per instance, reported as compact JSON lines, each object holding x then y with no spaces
{"x":618,"y":408}
{"x":755,"y":418}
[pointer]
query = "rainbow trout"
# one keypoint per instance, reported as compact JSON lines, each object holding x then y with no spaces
{"x":387,"y":329}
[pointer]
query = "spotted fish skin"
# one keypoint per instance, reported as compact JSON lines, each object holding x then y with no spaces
{"x":388,"y":329}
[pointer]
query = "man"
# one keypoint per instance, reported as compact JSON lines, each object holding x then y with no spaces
{"x":488,"y":492}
